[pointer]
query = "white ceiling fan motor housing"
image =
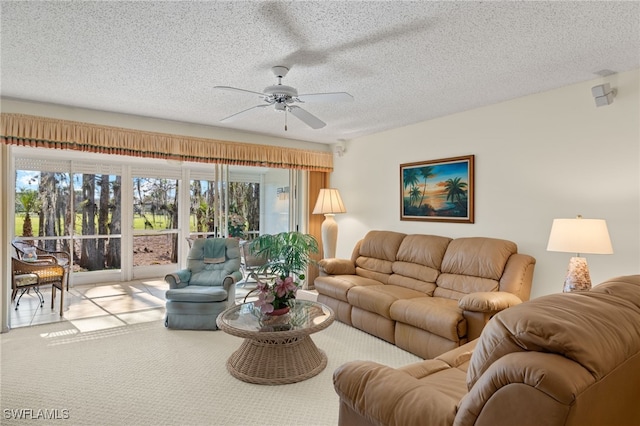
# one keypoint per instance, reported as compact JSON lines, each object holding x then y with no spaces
{"x":281,"y":91}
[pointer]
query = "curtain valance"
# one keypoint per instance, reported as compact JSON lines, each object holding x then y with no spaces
{"x":43,"y":132}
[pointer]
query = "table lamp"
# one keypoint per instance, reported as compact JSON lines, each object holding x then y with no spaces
{"x":579,"y":236}
{"x":329,"y":203}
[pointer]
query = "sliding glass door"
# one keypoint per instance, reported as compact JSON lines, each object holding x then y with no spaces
{"x":121,"y":220}
{"x":74,"y":208}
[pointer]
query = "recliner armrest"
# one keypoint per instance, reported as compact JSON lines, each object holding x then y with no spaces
{"x":384,"y":395}
{"x":489,"y":301}
{"x":178,"y":279}
{"x":336,"y":266}
{"x":548,"y":381}
{"x":231,"y":279}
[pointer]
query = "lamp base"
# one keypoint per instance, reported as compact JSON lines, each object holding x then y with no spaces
{"x":577,"y":278}
{"x":329,"y":230}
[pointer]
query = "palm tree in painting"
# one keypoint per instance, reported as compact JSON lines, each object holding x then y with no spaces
{"x":426,"y":172}
{"x":410,"y":179}
{"x":414,"y":195}
{"x":456,"y":190}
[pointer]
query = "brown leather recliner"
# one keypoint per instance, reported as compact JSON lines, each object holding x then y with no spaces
{"x":562,"y":359}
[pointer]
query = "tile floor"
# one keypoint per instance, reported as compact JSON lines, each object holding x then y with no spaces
{"x":102,"y":306}
{"x":96,"y":306}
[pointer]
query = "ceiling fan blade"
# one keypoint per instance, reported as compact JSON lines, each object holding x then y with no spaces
{"x":326,"y":97}
{"x":235,"y":89}
{"x":306,"y":117}
{"x":241,"y":114}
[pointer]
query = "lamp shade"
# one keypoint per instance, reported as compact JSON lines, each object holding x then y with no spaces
{"x":329,"y":202}
{"x":580,"y":236}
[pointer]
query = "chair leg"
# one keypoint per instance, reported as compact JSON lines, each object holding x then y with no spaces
{"x":24,"y":290}
{"x":62,"y":298}
{"x":53,"y":296}
{"x":40,"y":296}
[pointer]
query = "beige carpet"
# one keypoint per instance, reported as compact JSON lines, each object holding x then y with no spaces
{"x":146,"y":374}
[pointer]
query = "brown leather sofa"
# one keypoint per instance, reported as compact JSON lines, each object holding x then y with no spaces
{"x":426,"y":294}
{"x":562,"y":359}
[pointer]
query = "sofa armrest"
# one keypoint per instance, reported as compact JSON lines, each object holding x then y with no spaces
{"x":178,"y":279}
{"x":488,"y":301}
{"x":337,"y":266}
{"x":386,"y":396}
{"x":544,"y":382}
{"x":478,"y":308}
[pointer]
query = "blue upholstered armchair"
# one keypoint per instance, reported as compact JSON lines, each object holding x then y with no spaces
{"x":206,"y":287}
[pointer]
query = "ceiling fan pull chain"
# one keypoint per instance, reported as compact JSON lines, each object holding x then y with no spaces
{"x":285,"y":119}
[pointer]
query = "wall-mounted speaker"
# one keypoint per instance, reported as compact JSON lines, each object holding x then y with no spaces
{"x":339,"y":148}
{"x":603,"y":94}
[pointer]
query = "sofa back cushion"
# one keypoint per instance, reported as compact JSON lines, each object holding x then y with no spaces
{"x":598,"y":329}
{"x":377,"y":253}
{"x":473,"y":264}
{"x":418,"y":262}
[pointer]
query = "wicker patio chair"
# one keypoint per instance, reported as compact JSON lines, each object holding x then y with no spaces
{"x":62,"y":258}
{"x":37,"y":274}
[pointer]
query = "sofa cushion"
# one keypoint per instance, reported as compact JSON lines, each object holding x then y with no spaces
{"x":434,"y":314}
{"x":418,"y":262}
{"x":456,"y":287}
{"x":426,"y":250}
{"x":598,"y":342}
{"x":401,"y":280}
{"x":381,"y":245}
{"x":379,"y":298}
{"x":377,"y":253}
{"x":338,"y":286}
{"x":473,"y":264}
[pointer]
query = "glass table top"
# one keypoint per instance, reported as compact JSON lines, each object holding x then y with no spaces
{"x":303,"y":315}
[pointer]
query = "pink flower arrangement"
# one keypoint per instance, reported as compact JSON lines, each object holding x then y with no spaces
{"x":275,"y":296}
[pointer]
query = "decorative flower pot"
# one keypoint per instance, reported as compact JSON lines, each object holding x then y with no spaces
{"x":278,"y":312}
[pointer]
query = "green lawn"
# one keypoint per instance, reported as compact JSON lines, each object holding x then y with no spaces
{"x":138,"y":223}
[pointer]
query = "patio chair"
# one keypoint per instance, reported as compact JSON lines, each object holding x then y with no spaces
{"x":25,"y":250}
{"x":252,"y":264}
{"x":36,"y":274}
{"x":206,"y":287}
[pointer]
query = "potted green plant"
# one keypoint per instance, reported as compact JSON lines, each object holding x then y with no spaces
{"x":288,"y":254}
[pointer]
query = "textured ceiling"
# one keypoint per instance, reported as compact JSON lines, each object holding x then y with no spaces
{"x":403,"y":62}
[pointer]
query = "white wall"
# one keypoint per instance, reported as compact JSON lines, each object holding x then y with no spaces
{"x":540,"y":157}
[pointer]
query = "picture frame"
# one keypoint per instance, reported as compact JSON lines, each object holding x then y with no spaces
{"x":438,"y":190}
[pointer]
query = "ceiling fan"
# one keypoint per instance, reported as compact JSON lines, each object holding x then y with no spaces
{"x":284,"y":98}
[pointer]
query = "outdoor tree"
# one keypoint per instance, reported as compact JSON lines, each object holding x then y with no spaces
{"x":28,"y":200}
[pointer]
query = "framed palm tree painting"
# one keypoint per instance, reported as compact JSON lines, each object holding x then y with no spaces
{"x":437,"y":190}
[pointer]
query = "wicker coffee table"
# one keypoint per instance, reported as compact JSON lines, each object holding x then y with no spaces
{"x":276,"y":350}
